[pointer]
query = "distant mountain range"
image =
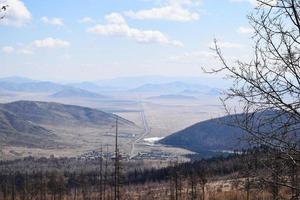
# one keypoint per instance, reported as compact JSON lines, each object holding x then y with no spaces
{"x":16,"y":79}
{"x":77,"y":93}
{"x":211,"y":135}
{"x":94,"y":87}
{"x":26,"y":123}
{"x":208,"y":91}
{"x":177,"y":88}
{"x":148,"y":84}
{"x":172,"y":97}
{"x":137,"y":81}
{"x":172,"y":87}
{"x":19,"y":84}
{"x":31,"y":86}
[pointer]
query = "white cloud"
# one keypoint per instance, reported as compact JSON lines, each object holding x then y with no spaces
{"x":245,"y":30}
{"x":257,"y":3}
{"x":177,"y":2}
{"x":254,"y":2}
{"x":86,"y":20}
{"x":226,"y":45}
{"x":172,"y":12}
{"x":201,"y":58}
{"x":53,"y":21}
{"x":50,"y":43}
{"x":8,"y":49}
{"x":115,"y":18}
{"x":250,"y":1}
{"x":26,"y":52}
{"x":191,"y":57}
{"x":16,"y":15}
{"x":117,"y":26}
{"x":186,"y":2}
{"x":177,"y":43}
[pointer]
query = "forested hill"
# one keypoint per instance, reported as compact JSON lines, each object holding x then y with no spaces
{"x":211,"y":135}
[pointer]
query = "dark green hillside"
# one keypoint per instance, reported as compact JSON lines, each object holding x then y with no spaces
{"x":210,"y":135}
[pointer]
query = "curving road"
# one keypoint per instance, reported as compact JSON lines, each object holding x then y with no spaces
{"x":146,"y":131}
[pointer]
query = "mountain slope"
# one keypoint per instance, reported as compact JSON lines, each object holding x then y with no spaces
{"x":48,"y":113}
{"x":19,"y":132}
{"x":53,"y":125}
{"x":210,"y":135}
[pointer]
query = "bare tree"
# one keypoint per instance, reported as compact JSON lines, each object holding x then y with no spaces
{"x":117,"y":165}
{"x":101,"y":174}
{"x":105,"y":173}
{"x":267,"y":87}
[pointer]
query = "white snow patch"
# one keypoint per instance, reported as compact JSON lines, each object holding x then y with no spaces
{"x":152,"y":139}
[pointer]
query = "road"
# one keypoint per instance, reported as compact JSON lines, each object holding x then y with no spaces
{"x":146,"y":131}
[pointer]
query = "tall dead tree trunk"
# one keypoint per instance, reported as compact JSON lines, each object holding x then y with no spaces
{"x":176,"y":185}
{"x":101,"y":174}
{"x":105,"y":174}
{"x":117,"y":167}
{"x":13,"y":187}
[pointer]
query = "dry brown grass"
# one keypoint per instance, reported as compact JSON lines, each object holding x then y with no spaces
{"x":161,"y":191}
{"x":216,"y":190}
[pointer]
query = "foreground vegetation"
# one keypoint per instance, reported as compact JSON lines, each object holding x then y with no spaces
{"x":239,"y":176}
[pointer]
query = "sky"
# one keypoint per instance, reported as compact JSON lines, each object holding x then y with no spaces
{"x":100,"y":39}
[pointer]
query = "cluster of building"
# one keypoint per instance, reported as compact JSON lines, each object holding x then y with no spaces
{"x":95,"y":155}
{"x":154,"y":155}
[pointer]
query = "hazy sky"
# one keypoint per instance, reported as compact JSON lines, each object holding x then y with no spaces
{"x":97,"y":39}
